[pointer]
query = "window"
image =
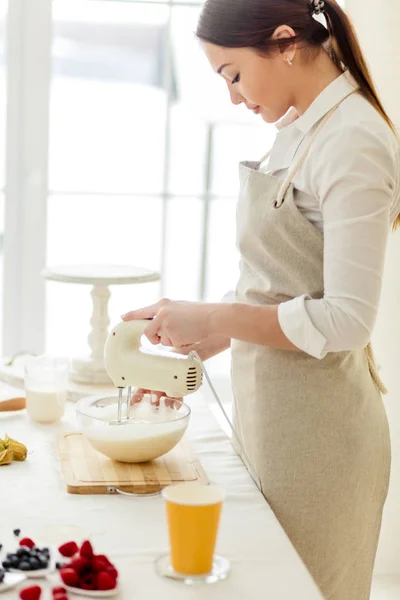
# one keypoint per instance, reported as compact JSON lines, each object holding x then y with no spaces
{"x":142,"y":160}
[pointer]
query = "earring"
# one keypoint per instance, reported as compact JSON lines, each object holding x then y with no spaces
{"x":289,"y":62}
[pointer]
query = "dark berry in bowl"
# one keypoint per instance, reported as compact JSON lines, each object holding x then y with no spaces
{"x":43,"y":564}
{"x":34,"y":563}
{"x":14,"y":562}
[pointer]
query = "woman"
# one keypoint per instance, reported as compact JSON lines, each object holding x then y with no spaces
{"x":312,"y":228}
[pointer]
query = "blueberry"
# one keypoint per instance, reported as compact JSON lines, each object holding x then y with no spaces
{"x":6,"y":564}
{"x":46,"y":551}
{"x":24,"y":565}
{"x":10,"y":556}
{"x":43,"y":563}
{"x":34,"y":563}
{"x":14,"y":562}
{"x":17,"y":532}
{"x":60,"y":565}
{"x":22,"y":552}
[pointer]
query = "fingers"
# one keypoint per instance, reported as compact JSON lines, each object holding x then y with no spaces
{"x":138,"y":394}
{"x":155,"y":398}
{"x":175,"y":403}
{"x":148,"y":312}
{"x":155,"y":332}
{"x":165,"y":340}
{"x":143,"y":313}
{"x":156,"y":314}
{"x":151,"y":331}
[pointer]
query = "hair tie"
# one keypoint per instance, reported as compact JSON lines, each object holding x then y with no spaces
{"x":317,"y":7}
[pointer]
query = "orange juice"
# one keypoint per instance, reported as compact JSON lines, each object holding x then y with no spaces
{"x":193,"y":514}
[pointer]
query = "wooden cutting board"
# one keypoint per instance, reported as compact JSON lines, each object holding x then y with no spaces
{"x":86,"y":471}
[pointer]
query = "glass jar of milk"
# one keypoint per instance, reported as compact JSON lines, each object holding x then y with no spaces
{"x":46,"y":383}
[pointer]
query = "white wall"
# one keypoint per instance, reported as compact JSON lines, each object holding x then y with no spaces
{"x":377,"y":24}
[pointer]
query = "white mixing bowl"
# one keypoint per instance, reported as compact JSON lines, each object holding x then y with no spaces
{"x":150,"y":432}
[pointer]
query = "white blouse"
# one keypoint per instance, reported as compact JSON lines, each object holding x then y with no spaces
{"x":351,"y":177}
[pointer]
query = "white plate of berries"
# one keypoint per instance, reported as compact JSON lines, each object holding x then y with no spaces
{"x":29,"y":559}
{"x":93,"y":593}
{"x":86,"y":573}
{"x":34,"y":592}
{"x":9,"y":580}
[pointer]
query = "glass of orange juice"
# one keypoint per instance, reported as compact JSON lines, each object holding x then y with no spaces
{"x":193,"y":516}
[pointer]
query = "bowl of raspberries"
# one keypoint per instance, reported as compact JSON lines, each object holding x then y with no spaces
{"x":87,"y":573}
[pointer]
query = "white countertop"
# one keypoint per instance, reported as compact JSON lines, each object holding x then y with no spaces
{"x":133,"y":531}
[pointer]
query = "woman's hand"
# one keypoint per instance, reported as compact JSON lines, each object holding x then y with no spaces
{"x":177,"y":324}
{"x":138,"y":394}
{"x":168,"y":328}
{"x":208,"y":348}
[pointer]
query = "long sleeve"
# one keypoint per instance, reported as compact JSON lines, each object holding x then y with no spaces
{"x":353,"y":174}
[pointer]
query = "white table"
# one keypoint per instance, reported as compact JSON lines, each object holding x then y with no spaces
{"x":133,"y":531}
{"x":91,"y":370}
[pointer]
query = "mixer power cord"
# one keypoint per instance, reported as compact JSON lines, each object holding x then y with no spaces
{"x":242,"y":453}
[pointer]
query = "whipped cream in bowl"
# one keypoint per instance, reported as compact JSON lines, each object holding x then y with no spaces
{"x":150,"y":431}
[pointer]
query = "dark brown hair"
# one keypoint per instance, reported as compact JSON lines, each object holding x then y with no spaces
{"x":251,"y":24}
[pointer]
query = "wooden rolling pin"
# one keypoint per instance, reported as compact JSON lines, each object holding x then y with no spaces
{"x":11,"y":404}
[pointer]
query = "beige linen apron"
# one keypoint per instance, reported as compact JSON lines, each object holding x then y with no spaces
{"x":315,"y":431}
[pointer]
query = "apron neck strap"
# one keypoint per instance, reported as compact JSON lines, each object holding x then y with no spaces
{"x":292,"y":172}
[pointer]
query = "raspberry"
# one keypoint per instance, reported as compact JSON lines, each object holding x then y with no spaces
{"x":113,"y":572}
{"x":88,"y":583}
{"x":32,"y":592}
{"x":27,"y":542}
{"x":104,"y":558}
{"x":80,"y":564}
{"x":99,"y":564}
{"x":69,"y":577}
{"x":69,"y":549}
{"x":58,"y":590}
{"x":104,"y":581}
{"x":86,"y":550}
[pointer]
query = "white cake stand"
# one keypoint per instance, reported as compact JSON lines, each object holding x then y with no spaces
{"x":91,"y":370}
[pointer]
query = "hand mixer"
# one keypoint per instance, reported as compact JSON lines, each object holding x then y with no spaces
{"x":129,"y":364}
